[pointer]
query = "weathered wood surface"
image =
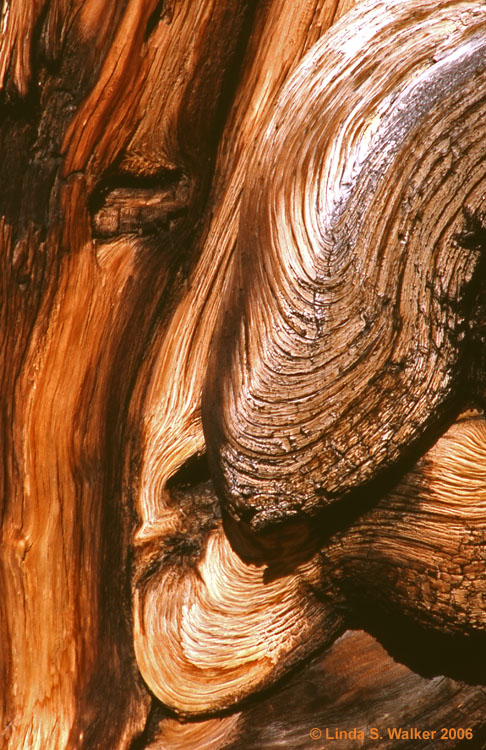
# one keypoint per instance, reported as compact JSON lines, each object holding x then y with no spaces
{"x":173,"y":434}
{"x":356,"y":685}
{"x":348,"y":249}
{"x":127,"y":136}
{"x":77,"y":318}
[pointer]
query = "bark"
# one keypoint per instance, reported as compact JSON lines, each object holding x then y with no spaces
{"x":127,"y":135}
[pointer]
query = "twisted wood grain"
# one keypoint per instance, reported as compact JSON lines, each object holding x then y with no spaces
{"x":340,"y":339}
{"x":224,"y":628}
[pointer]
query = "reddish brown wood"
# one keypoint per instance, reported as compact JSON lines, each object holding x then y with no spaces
{"x":127,"y":132}
{"x":82,"y":83}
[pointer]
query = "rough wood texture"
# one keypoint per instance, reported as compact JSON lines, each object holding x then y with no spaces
{"x":172,"y":431}
{"x":356,"y":685}
{"x":410,"y":567}
{"x":76,"y":321}
{"x":419,"y":553}
{"x":282,"y":32}
{"x":341,"y":338}
{"x":127,"y":133}
{"x":201,"y":647}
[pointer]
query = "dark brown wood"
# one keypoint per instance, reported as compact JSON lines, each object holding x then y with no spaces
{"x":83,"y":112}
{"x":355,"y":696}
{"x":347,"y":249}
{"x":357,"y":688}
{"x":136,"y":612}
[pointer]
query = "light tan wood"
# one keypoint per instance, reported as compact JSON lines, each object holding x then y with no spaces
{"x":77,"y":317}
{"x":132,"y":135}
{"x":340,"y":339}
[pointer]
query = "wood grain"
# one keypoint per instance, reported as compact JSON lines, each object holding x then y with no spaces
{"x":340,"y":339}
{"x":127,"y":134}
{"x":77,"y":318}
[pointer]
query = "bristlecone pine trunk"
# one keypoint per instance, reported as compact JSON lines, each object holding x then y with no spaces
{"x":242,"y":374}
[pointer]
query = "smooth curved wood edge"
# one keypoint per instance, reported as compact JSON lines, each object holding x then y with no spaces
{"x":207,"y":631}
{"x":211,"y":629}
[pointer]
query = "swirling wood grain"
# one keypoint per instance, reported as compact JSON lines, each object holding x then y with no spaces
{"x":224,"y":627}
{"x":342,"y":330}
{"x":419,"y":554}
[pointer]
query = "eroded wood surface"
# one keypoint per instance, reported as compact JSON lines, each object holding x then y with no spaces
{"x":79,"y":80}
{"x":341,"y":338}
{"x":356,"y":685}
{"x":127,"y":134}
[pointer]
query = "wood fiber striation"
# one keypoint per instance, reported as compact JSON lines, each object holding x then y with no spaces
{"x":340,"y":336}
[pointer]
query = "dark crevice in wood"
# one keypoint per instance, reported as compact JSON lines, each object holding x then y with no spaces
{"x":115,"y":523}
{"x":154,"y":19}
{"x":116,"y":178}
{"x":49,"y":50}
{"x":199,"y":514}
{"x":340,"y":515}
{"x":229,"y":82}
{"x":156,"y":714}
{"x":194,"y":471}
{"x":34,"y":127}
{"x":473,"y":237}
{"x":427,"y":653}
{"x":125,"y":203}
{"x":20,"y":118}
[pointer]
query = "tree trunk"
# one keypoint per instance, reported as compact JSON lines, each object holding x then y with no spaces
{"x":129,"y":134}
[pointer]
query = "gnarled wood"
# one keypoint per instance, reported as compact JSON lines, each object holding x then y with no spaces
{"x":341,"y":335}
{"x":415,"y":556}
{"x":224,"y":628}
{"x":419,"y":553}
{"x":172,"y":433}
{"x":117,"y":244}
{"x":283,"y":31}
{"x":77,"y":316}
{"x":355,"y":685}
